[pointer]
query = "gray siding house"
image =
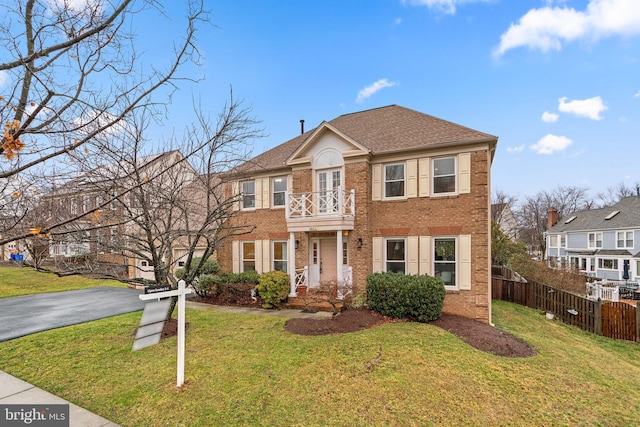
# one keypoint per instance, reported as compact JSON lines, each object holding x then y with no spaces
{"x":602,"y":243}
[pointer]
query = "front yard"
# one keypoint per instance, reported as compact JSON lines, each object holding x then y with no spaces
{"x":17,"y":281}
{"x":247,"y":370}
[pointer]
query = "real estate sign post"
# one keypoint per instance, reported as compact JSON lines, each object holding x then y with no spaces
{"x":152,"y":322}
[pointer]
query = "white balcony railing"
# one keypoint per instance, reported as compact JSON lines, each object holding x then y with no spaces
{"x":321,"y":203}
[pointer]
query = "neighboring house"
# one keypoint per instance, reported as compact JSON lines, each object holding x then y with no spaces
{"x":106,"y":233}
{"x":599,"y":242}
{"x":503,"y":215}
{"x":387,"y":189}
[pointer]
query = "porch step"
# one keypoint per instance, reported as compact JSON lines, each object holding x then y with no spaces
{"x":299,"y":303}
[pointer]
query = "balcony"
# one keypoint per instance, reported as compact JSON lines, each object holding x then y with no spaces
{"x":329,"y":210}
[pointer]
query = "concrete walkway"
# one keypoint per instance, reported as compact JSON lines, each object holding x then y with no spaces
{"x":16,"y":391}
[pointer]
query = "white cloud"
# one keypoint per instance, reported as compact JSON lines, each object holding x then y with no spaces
{"x":550,"y":144}
{"x":548,"y":28}
{"x":590,"y":108}
{"x":517,"y":149}
{"x":397,"y":21}
{"x":445,"y":6}
{"x":368,"y":91}
{"x":548,"y":117}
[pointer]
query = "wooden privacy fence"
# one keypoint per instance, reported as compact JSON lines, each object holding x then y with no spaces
{"x":611,"y":319}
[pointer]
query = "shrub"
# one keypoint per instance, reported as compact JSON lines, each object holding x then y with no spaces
{"x":250,"y":276}
{"x":402,"y":296}
{"x":209,"y":267}
{"x":273,"y":288}
{"x":358,"y":300}
{"x":209,"y":285}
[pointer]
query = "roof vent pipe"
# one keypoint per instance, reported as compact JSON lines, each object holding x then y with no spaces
{"x":301,"y":126}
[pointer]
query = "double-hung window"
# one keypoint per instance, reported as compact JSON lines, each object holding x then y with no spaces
{"x":553,"y":241}
{"x":279,"y":190}
{"x":248,"y":256}
{"x":444,"y":175}
{"x":563,"y":241}
{"x":444,"y":260}
{"x":394,"y":180}
{"x":395,"y":255}
{"x":624,"y":239}
{"x":280,"y":256}
{"x":74,"y":206}
{"x":595,"y":240}
{"x":86,"y":204}
{"x":248,"y":195}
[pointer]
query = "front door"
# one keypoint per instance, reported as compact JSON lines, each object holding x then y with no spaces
{"x":322,"y":261}
{"x":328,"y":261}
{"x":328,"y":183}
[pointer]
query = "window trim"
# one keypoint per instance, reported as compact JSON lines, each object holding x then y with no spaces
{"x":242,"y":193}
{"x":455,"y":262}
{"x":385,"y":255}
{"x":614,"y":262}
{"x":285,"y":254}
{"x":595,"y":240}
{"x":455,"y":176}
{"x":285,"y":178}
{"x":404,"y":181}
{"x":625,"y":240}
{"x":551,"y":239}
{"x":243,"y":259}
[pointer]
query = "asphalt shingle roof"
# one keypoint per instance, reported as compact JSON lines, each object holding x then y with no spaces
{"x":594,"y":219}
{"x":381,"y":130}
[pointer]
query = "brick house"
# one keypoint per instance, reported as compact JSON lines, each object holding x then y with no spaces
{"x":387,"y":189}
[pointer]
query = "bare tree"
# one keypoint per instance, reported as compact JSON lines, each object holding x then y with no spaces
{"x":502,"y":206}
{"x":533,"y":212}
{"x":615,"y":193}
{"x":72,"y":78}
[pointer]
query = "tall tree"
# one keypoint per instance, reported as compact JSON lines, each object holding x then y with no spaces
{"x":72,"y":76}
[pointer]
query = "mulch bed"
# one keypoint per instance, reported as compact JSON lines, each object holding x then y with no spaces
{"x":478,"y":335}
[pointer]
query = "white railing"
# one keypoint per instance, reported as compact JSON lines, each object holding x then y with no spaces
{"x":311,"y":204}
{"x":597,"y":291}
{"x":345,"y":287}
{"x":302,"y":277}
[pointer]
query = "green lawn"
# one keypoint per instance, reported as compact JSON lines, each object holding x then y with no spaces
{"x":246,"y":370}
{"x":16,"y":281}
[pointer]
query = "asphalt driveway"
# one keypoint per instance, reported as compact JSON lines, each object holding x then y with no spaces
{"x":24,"y":315}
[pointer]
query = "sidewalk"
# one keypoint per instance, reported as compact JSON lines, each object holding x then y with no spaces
{"x":16,"y":391}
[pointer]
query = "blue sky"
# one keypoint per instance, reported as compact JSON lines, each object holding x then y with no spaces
{"x":557,"y":81}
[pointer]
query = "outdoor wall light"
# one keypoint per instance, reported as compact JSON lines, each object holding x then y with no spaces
{"x":297,"y":244}
{"x":359,"y":242}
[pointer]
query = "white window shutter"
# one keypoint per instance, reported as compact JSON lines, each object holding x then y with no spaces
{"x":376,"y":182}
{"x":378,"y":246}
{"x":464,"y":173}
{"x":412,"y":178}
{"x":257,"y":250}
{"x":424,"y":172}
{"x":235,"y":255}
{"x":464,"y":266}
{"x":266,"y":192}
{"x":235,"y":194}
{"x":425,"y":255}
{"x":412,"y":255}
{"x":258,"y":193}
{"x":266,"y":256}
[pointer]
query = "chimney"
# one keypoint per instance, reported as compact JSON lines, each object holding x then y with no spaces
{"x":552,"y":217}
{"x":301,"y":126}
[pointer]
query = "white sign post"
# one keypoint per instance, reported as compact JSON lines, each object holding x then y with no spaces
{"x":181,"y":292}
